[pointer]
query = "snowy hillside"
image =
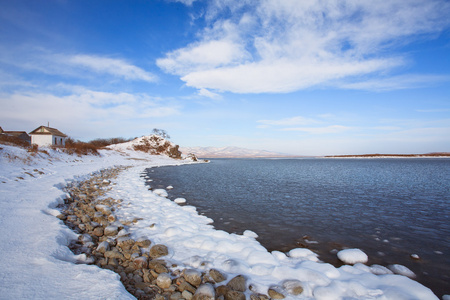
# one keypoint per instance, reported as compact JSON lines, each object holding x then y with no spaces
{"x":230,"y":152}
{"x":152,"y":144}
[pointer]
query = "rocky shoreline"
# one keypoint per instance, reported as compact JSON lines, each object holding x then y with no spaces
{"x":104,"y":240}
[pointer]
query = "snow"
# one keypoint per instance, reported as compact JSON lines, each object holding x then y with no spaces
{"x":352,"y":256}
{"x":37,"y":264}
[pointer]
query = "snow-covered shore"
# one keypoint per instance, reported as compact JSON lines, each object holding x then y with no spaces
{"x":36,"y":262}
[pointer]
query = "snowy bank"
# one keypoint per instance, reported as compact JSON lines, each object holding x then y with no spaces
{"x":36,"y":262}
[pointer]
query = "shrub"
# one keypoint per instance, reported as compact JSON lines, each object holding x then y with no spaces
{"x":100,"y":143}
{"x":80,"y":148}
{"x":13,"y":140}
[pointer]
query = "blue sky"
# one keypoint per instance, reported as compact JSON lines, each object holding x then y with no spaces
{"x":299,"y":77}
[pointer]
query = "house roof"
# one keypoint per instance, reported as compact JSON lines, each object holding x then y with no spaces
{"x":15,"y":133}
{"x":44,"y":130}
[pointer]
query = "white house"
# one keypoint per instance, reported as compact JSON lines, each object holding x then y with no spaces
{"x":47,"y":136}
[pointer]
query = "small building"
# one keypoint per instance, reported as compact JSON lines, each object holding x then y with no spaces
{"x":47,"y":136}
{"x":23,"y":135}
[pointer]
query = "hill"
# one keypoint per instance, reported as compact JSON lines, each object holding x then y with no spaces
{"x":231,"y":152}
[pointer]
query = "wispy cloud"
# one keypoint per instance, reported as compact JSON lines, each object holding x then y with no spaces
{"x":406,"y":81}
{"x":332,"y":129}
{"x":293,"y":121}
{"x":208,"y":94}
{"x":86,"y":112}
{"x":72,"y":65}
{"x":282,"y":46}
{"x":434,"y":110}
{"x":112,"y":66}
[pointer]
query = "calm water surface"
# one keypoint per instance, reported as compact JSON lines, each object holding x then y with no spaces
{"x":389,"y":208}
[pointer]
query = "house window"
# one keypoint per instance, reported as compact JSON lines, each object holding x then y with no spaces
{"x":56,"y":141}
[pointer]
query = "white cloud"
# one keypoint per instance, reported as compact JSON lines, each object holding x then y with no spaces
{"x":111,"y":66}
{"x":209,"y":94}
{"x":72,"y":65}
{"x":85,"y":113}
{"x":298,"y":120}
{"x":406,"y":81}
{"x":185,"y":2}
{"x":282,"y":46}
{"x":332,"y":129}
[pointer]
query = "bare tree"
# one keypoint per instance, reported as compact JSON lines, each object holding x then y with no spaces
{"x":162,"y":133}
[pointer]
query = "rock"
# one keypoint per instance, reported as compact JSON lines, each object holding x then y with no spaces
{"x":143,"y":242}
{"x":111,"y":230}
{"x":158,"y":251}
{"x":234,"y":295}
{"x":103,"y":247}
{"x":192,"y":276}
{"x":103,"y":209}
{"x":175,"y":296}
{"x":222,"y":290}
{"x":62,"y":217}
{"x":98,"y":231}
{"x":158,"y":266}
{"x":140,"y":263}
{"x":238,"y":283}
{"x":187,"y":295}
{"x":125,"y":242}
{"x":164,"y":281}
{"x":204,"y":292}
{"x":275,"y":294}
{"x":216,"y":275}
{"x":185,"y":286}
{"x":114,"y":254}
{"x":293,"y":287}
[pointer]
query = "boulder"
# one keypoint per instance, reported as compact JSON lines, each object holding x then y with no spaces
{"x":103,"y":247}
{"x":111,"y":230}
{"x":163,"y":281}
{"x":140,"y":262}
{"x":275,"y":293}
{"x":192,"y":276}
{"x":293,"y":287}
{"x":238,"y":283}
{"x":216,"y":275}
{"x":158,"y":251}
{"x":204,"y":292}
{"x":234,"y":295}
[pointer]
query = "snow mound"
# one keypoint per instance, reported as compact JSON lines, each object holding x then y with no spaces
{"x":402,"y":270}
{"x":352,"y":256}
{"x":161,"y":192}
{"x":179,"y":200}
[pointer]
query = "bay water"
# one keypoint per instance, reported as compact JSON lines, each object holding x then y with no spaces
{"x":389,"y":208}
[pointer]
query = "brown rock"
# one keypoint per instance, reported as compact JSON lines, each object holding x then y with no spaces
{"x":158,"y":251}
{"x":216,"y":275}
{"x":98,"y":231}
{"x":140,"y":263}
{"x":234,"y":295}
{"x":222,"y":290}
{"x":274,"y":294}
{"x":158,"y":266}
{"x":164,"y":281}
{"x":238,"y":283}
{"x":192,"y":276}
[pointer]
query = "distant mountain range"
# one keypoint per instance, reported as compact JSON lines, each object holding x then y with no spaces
{"x":230,"y":152}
